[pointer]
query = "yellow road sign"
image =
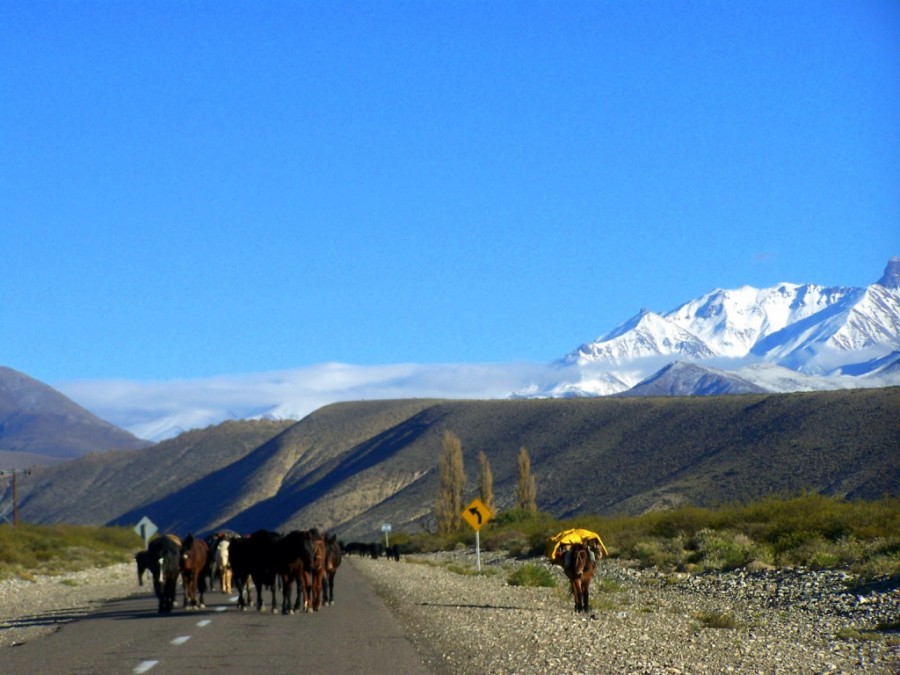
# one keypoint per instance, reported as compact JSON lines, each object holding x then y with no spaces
{"x":477,"y":514}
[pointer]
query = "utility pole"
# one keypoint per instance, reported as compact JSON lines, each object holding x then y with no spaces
{"x":15,"y":496}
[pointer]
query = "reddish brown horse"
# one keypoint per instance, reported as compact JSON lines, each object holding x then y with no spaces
{"x":194,"y":560}
{"x":579,"y":568}
{"x":314,"y":572}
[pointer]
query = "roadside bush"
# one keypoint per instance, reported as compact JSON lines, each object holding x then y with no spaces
{"x":726,"y":550}
{"x":511,"y":541}
{"x":532,"y":575}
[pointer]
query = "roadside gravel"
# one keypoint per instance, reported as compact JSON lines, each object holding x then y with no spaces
{"x":642,"y":622}
{"x":785,"y":621}
{"x":31,"y":609}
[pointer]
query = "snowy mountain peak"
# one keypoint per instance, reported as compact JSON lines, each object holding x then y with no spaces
{"x":646,"y":334}
{"x":809,"y":329}
{"x":891,"y":276}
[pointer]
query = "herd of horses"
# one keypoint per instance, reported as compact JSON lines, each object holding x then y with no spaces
{"x":302,"y":563}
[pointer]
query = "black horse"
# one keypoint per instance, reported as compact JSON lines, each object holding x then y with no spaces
{"x":142,"y":559}
{"x":164,"y":564}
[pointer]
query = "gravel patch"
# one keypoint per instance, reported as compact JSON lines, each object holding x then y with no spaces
{"x":785,"y":621}
{"x":31,"y":609}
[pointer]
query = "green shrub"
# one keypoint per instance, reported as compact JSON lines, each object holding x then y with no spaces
{"x":512,"y":541}
{"x":726,"y":550}
{"x":532,"y":575}
{"x":650,"y":553}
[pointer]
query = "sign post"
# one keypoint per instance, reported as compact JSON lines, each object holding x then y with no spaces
{"x":386,"y":528}
{"x":146,"y":529}
{"x":477,"y":514}
{"x":15,"y":497}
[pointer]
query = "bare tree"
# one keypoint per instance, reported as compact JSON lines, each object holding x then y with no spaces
{"x":485,"y":481}
{"x":452,"y":484}
{"x":527,"y":498}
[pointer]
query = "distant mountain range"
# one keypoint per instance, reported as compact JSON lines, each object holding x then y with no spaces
{"x":786,"y":338}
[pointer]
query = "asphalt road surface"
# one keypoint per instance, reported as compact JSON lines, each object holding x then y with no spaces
{"x":358,"y":634}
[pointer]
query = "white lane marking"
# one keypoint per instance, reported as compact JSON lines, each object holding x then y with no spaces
{"x":203,"y":623}
{"x":221,"y":609}
{"x":144,"y":666}
{"x":181,"y":640}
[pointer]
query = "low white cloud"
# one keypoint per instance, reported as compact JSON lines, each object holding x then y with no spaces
{"x":157,"y":410}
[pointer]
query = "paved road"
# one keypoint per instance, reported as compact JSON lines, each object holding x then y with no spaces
{"x":357,"y":634}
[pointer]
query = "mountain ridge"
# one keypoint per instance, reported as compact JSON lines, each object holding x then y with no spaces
{"x":351,"y":467}
{"x":37,"y":422}
{"x":821,"y":332}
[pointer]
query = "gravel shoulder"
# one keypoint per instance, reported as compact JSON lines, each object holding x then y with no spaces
{"x":643,"y":622}
{"x":32,"y":609}
{"x":785,"y":621}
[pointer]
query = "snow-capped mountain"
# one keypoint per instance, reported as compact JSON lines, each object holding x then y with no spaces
{"x":647,"y":334}
{"x":688,"y":379}
{"x":789,"y":337}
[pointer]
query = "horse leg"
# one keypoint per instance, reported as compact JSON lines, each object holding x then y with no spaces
{"x":317,"y":592}
{"x":329,"y":588}
{"x":286,"y":589}
{"x":259,"y":594}
{"x":307,"y":584}
{"x":578,"y":592}
{"x":202,"y":590}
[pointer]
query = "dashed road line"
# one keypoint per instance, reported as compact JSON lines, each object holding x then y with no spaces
{"x":144,"y":666}
{"x":181,"y":640}
{"x":204,"y":623}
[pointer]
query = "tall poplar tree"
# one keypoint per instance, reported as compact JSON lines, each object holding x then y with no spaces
{"x":449,"y":504}
{"x":485,"y":481}
{"x":527,"y":497}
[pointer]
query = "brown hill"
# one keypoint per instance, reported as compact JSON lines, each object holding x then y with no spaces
{"x":353,"y":466}
{"x":43,"y":425}
{"x":101,"y":486}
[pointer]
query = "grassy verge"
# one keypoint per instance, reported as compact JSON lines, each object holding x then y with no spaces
{"x":29,"y":550}
{"x":808,"y":530}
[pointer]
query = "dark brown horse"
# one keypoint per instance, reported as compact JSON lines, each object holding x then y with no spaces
{"x":332,"y":562}
{"x":579,"y":567}
{"x":194,"y":561}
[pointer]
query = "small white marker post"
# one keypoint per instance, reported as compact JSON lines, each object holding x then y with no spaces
{"x":477,"y":551}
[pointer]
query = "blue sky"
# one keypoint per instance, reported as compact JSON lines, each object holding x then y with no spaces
{"x":193,"y":189}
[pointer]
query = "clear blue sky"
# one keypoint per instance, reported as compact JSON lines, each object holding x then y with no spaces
{"x":190,"y":189}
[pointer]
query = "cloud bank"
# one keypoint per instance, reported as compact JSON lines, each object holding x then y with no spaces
{"x":157,"y":410}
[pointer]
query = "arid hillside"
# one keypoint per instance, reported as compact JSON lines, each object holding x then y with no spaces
{"x":353,"y":466}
